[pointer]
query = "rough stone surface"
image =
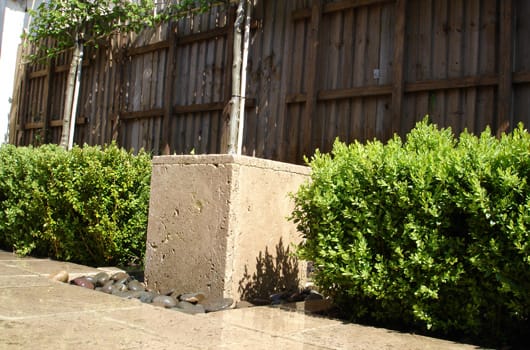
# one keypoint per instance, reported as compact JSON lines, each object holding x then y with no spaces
{"x":214,"y":221}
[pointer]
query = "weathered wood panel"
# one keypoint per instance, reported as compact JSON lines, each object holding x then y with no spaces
{"x":318,"y":70}
{"x":354,"y":68}
{"x":450,"y":40}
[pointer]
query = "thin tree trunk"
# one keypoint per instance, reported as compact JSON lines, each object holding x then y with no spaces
{"x":246,"y":44}
{"x":75,"y":102}
{"x":69,"y":112}
{"x":236,"y":80}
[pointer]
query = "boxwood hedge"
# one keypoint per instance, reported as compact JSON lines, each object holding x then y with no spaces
{"x":430,"y":232}
{"x":88,"y":205}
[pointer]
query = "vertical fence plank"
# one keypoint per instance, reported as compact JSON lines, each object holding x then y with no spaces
{"x":168,"y":92}
{"x":424,"y":37}
{"x":331,"y":60}
{"x":345,"y":117}
{"x":398,"y":64}
{"x":372,"y":59}
{"x":297,"y":131}
{"x":505,"y":89}
{"x":47,"y":101}
{"x":311,"y":136}
{"x":288,"y":54}
{"x":360,"y":35}
{"x":471,"y":58}
{"x":486,"y":96}
{"x":384,"y":116}
{"x":24,"y":104}
{"x":455,"y":63}
{"x":227,"y":84}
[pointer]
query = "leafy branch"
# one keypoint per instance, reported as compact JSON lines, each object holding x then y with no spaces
{"x":68,"y":22}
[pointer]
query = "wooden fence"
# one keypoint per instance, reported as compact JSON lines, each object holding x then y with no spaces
{"x":353,"y":69}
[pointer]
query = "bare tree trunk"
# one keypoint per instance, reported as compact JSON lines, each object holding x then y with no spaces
{"x":75,"y":102}
{"x":246,"y":44}
{"x":69,"y":113}
{"x":236,"y":80}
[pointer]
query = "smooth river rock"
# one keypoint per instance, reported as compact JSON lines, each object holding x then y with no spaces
{"x":120,"y":275}
{"x":212,"y":305}
{"x":164,"y":301}
{"x":189,"y":308}
{"x":102,"y":278}
{"x":61,"y":276}
{"x":193,"y":298}
{"x":134,"y":285}
{"x":83,"y":282}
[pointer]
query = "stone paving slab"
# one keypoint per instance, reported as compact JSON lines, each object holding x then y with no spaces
{"x":37,"y":313}
{"x":45,"y":267}
{"x":201,"y":331}
{"x":9,"y":256}
{"x":53,"y":299}
{"x":272,"y":320}
{"x":76,"y":331}
{"x":26,"y":281}
{"x":7,"y":268}
{"x":335,"y":334}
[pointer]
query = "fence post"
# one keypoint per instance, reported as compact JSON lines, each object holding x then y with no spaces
{"x":397,"y":64}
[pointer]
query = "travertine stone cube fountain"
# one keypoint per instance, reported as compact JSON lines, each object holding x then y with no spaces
{"x":218,"y":224}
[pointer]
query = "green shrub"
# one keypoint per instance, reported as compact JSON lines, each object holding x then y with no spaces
{"x":86,"y":205}
{"x":432,"y":232}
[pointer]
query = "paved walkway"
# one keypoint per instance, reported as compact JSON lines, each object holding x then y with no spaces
{"x":37,"y":313}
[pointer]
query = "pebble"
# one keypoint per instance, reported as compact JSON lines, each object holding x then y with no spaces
{"x":278,"y":298}
{"x":123,"y":285}
{"x":122,"y":280}
{"x":91,"y":279}
{"x":165,"y":301}
{"x":147,"y":297}
{"x":189,"y":308}
{"x":314,"y":295}
{"x":193,"y":298}
{"x":61,"y":276}
{"x":107,"y":287}
{"x":134,"y":285}
{"x":212,"y":305}
{"x":82,"y":282}
{"x":120,"y":275}
{"x":102,"y":278}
